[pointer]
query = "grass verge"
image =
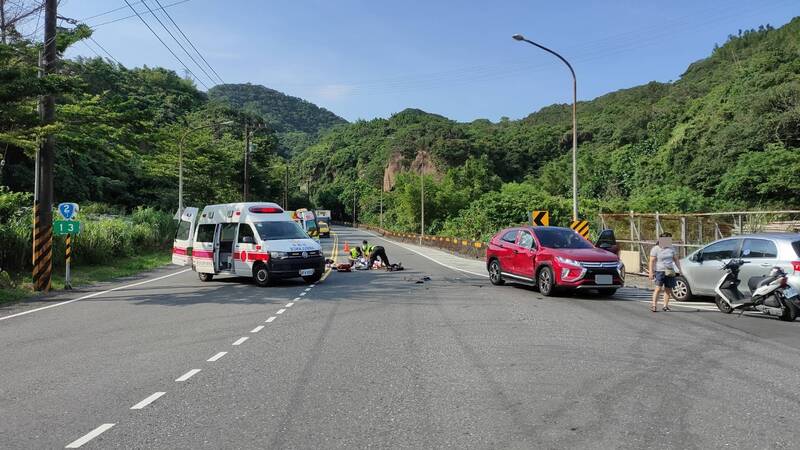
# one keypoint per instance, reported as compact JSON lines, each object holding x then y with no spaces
{"x":84,"y":275}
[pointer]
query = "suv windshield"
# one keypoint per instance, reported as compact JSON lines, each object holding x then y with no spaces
{"x":560,"y":238}
{"x":271,"y":231}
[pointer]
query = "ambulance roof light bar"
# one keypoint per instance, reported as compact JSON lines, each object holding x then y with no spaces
{"x":265,"y":210}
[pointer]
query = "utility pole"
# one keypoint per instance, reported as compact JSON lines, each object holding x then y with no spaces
{"x":286,"y":189}
{"x":422,"y":207}
{"x":45,"y":156}
{"x":246,"y":160}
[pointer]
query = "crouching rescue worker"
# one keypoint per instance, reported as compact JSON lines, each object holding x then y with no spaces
{"x":355,"y":253}
{"x":374,"y":252}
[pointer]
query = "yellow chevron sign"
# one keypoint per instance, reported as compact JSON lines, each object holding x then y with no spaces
{"x":581,"y":226}
{"x":540,"y":218}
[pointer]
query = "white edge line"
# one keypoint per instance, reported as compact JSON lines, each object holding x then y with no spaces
{"x":427,"y":257}
{"x":270,"y":319}
{"x":289,"y":305}
{"x":240,"y":340}
{"x":257,"y":329}
{"x":90,"y":435}
{"x":188,"y":375}
{"x":148,"y":400}
{"x":281,"y":311}
{"x":217,"y":356}
{"x":92,"y":295}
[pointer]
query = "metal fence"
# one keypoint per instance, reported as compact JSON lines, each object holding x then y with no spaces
{"x":639,"y":231}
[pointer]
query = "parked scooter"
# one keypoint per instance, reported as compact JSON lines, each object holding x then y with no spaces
{"x":770,"y":295}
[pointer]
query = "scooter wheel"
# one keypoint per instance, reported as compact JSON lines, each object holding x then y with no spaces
{"x":723,"y":305}
{"x":789,"y":313}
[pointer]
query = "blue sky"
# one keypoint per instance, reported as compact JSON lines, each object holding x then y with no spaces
{"x":366,"y":59}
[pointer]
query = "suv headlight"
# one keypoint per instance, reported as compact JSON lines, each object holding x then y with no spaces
{"x":278,"y":255}
{"x":568,"y":261}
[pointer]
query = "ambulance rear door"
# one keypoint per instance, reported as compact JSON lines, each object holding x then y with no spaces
{"x":184,"y":238}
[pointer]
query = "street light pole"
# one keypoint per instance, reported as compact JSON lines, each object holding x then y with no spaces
{"x":180,"y":161}
{"x":519,"y":37}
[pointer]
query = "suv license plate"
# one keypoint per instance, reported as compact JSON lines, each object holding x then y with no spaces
{"x":306,"y":272}
{"x":603,"y":279}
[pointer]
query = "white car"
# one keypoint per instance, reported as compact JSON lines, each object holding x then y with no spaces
{"x":701,"y":270}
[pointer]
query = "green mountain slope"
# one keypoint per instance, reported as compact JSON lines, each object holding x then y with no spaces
{"x":284,"y":112}
{"x":725,"y":135}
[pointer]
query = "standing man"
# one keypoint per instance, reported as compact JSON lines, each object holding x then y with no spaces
{"x":663,"y":268}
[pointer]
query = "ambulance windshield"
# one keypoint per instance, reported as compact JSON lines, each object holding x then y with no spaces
{"x":271,"y":231}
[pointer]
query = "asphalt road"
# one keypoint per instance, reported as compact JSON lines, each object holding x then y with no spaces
{"x":386,"y":360}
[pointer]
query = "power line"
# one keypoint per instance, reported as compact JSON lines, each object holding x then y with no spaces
{"x":163,"y":43}
{"x":164,"y":11}
{"x":133,"y":15}
{"x":177,"y":41}
{"x":104,"y":51}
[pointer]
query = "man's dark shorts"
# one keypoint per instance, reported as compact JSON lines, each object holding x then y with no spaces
{"x":663,"y":280}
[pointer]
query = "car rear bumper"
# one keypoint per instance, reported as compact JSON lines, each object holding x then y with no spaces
{"x":291,"y":267}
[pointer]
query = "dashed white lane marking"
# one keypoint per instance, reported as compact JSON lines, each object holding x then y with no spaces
{"x":90,"y":435}
{"x":257,"y":329}
{"x":296,"y":299}
{"x":92,"y":295}
{"x":240,"y":340}
{"x":217,"y":356}
{"x":289,"y":305}
{"x":308,"y":289}
{"x":302,"y":294}
{"x":312,"y":285}
{"x":148,"y":400}
{"x":270,"y":319}
{"x":187,"y":375}
{"x":281,"y":311}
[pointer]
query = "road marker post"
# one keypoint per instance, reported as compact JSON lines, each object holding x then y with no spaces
{"x":67,"y":227}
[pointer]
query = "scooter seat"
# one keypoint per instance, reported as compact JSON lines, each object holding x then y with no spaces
{"x":756,"y":282}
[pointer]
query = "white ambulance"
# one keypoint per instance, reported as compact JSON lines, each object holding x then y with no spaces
{"x":256,"y":240}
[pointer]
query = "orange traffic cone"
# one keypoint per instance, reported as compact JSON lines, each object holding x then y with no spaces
{"x":346,"y":248}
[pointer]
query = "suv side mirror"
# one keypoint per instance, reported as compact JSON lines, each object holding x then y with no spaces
{"x":248,"y":240}
{"x":607,"y":241}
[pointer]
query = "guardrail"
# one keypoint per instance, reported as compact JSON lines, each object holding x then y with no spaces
{"x":458,"y":246}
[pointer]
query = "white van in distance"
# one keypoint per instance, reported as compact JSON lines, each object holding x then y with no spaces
{"x":256,"y":240}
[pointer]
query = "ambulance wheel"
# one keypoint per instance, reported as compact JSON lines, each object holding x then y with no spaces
{"x":205,"y":276}
{"x":313,"y":278}
{"x":261,"y":275}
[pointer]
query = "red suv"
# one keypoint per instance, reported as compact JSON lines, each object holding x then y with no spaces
{"x":555,"y":258}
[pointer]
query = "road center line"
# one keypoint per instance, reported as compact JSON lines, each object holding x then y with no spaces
{"x":257,"y":329}
{"x":302,"y":294}
{"x":240,"y":340}
{"x":148,"y":400}
{"x":188,"y":375}
{"x":308,"y":289}
{"x":217,"y":356}
{"x":90,"y":435}
{"x":92,"y":295}
{"x":289,"y":305}
{"x":296,"y":299}
{"x":281,"y":311}
{"x":312,"y":285}
{"x":270,"y":319}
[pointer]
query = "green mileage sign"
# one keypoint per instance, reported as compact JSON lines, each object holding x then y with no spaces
{"x":64,"y":227}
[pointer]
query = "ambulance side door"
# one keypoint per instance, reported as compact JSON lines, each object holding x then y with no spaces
{"x":244,"y":251}
{"x":184,"y":238}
